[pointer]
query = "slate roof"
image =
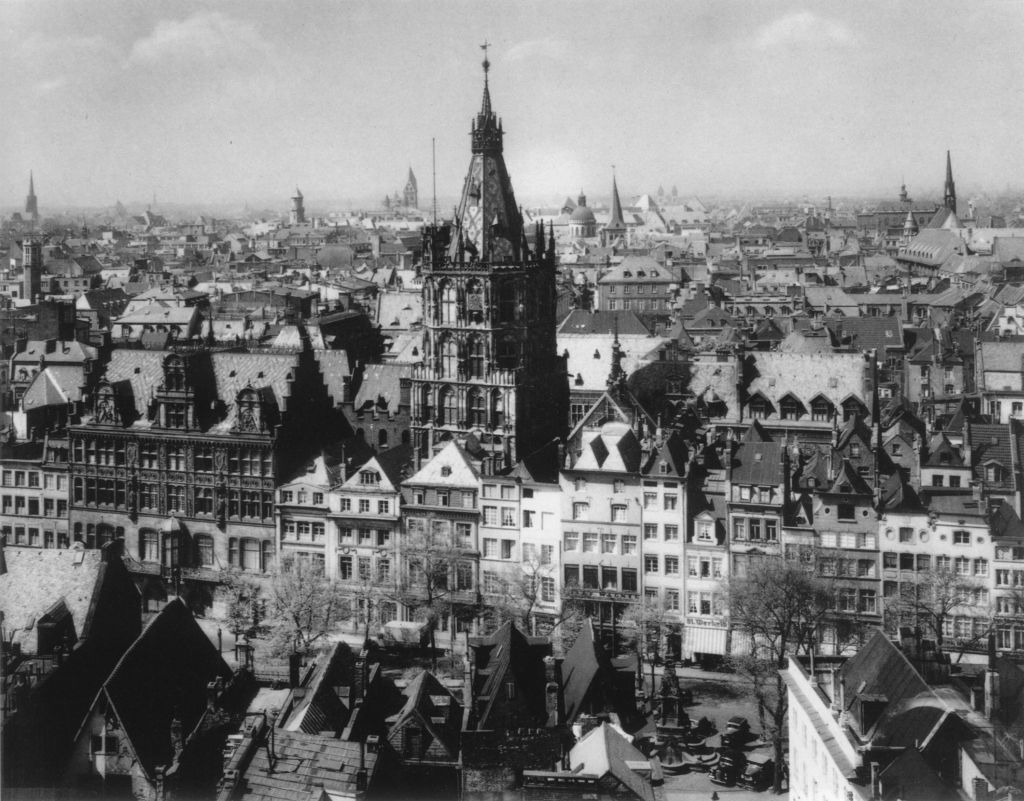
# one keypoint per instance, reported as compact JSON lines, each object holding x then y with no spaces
{"x":399,"y":309}
{"x":306,"y":767}
{"x":381,"y":386}
{"x":775,"y":374}
{"x":869,"y":333}
{"x":614,"y":448}
{"x":603,"y":751}
{"x":454,"y":457}
{"x":910,"y":778}
{"x":437,"y":710}
{"x":509,"y":655}
{"x":849,"y":482}
{"x":539,"y":467}
{"x":334,"y":368}
{"x":54,"y":386}
{"x":36,"y":579}
{"x":941,"y":452}
{"x":585,"y":664}
{"x":141,"y":372}
{"x":590,"y":356}
{"x":879,"y":669}
{"x":758,"y":463}
{"x":162,"y":674}
{"x":59,"y":352}
{"x":581,"y":321}
{"x":992,"y":442}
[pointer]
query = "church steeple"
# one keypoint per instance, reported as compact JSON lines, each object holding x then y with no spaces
{"x":950,"y":190}
{"x":31,"y":204}
{"x":616,"y":225}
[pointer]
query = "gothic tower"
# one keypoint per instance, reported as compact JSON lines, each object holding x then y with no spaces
{"x":950,"y":190}
{"x":490,"y":372}
{"x":412,"y":194}
{"x":616,"y":226}
{"x":298,"y":214}
{"x":31,"y":204}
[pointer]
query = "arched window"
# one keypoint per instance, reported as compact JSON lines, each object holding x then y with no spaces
{"x":475,"y":301}
{"x":449,"y":357}
{"x":447,"y":296}
{"x":477,"y":408}
{"x":507,"y":302}
{"x":497,"y":408}
{"x":476,"y":357}
{"x":448,"y":408}
{"x":382,"y":438}
{"x":426,"y":409}
{"x":508,"y":354}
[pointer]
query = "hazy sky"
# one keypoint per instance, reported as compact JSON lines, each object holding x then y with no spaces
{"x":215,"y":102}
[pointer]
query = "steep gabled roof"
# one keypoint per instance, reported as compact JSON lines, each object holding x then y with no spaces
{"x":163,"y":675}
{"x":583,"y":665}
{"x":910,"y":778}
{"x":435,"y":708}
{"x":880,"y":670}
{"x":506,"y":656}
{"x":450,"y":467}
{"x":849,"y":482}
{"x":603,"y":752}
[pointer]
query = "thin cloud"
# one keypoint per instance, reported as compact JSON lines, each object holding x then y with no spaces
{"x":803,"y":28}
{"x":206,"y":35}
{"x":532,"y":49}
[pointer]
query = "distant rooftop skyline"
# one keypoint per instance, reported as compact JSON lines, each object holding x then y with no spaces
{"x":218,"y":103}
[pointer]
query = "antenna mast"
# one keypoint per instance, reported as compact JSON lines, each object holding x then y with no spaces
{"x":433,"y":166}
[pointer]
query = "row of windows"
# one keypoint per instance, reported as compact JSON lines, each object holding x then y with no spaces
{"x":31,"y":478}
{"x":33,"y":506}
{"x":640,"y":304}
{"x":504,"y":516}
{"x":640,"y":289}
{"x":112,"y":453}
{"x":440,"y":532}
{"x":372,"y":538}
{"x":363,"y":568}
{"x":591,"y":542}
{"x":35,"y":537}
{"x":756,"y":529}
{"x":532,"y":554}
{"x":848,"y":539}
{"x":671,"y":601}
{"x":302,"y":497}
{"x":705,"y":603}
{"x":458,"y":500}
{"x":365,"y":505}
{"x":704,"y":567}
{"x":304,"y":530}
{"x":603,"y":577}
{"x":669,"y":532}
{"x":652,"y":565}
{"x":498,"y":549}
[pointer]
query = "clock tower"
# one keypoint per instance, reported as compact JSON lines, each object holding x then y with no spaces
{"x":490,"y":374}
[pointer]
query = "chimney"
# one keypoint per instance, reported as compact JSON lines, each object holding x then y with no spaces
{"x":294,"y":664}
{"x":361,"y":676}
{"x":876,"y":790}
{"x":552,"y":691}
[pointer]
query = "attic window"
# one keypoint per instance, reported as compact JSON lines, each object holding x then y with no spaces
{"x":446,"y":471}
{"x":597,"y":354}
{"x":579,"y":380}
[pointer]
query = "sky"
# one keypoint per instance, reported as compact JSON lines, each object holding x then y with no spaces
{"x":243,"y":101}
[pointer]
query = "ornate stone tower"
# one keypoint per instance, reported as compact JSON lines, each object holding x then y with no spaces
{"x":298,"y":215}
{"x":490,"y":372}
{"x":950,"y":189}
{"x":31,"y":204}
{"x":412,"y":194}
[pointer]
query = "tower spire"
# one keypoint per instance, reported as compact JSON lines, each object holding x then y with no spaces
{"x":31,"y":204}
{"x":950,"y":189}
{"x":485,"y":108}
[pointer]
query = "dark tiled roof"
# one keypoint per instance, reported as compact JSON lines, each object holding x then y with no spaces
{"x":910,"y":778}
{"x":381,"y":386}
{"x":439,"y":712}
{"x":164,"y":673}
{"x":509,"y":655}
{"x":1005,"y":524}
{"x":335,"y":369}
{"x":992,"y":442}
{"x":869,"y":333}
{"x":879,"y":669}
{"x":758,"y":463}
{"x":582,"y":666}
{"x":581,"y":321}
{"x":306,"y":767}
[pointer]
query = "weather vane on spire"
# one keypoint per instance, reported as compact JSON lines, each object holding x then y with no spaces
{"x":487,"y":64}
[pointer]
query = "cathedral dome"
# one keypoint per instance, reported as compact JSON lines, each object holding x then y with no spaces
{"x":582,"y":215}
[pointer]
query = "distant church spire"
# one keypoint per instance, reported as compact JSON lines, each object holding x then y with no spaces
{"x":950,"y":190}
{"x":616,"y":225}
{"x":31,"y":204}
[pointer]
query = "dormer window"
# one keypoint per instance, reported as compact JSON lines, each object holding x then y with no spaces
{"x":174,"y":374}
{"x":369,"y":477}
{"x":250,"y":417}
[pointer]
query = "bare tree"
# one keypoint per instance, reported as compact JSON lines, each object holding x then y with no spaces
{"x":521,"y":590}
{"x":778,"y":604}
{"x":435,"y":569}
{"x":243,"y":603}
{"x":305,"y":606}
{"x":930,"y":599}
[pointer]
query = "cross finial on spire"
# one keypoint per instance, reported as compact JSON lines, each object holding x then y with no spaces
{"x":487,"y":64}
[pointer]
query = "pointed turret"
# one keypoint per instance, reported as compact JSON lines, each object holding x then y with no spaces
{"x":910,"y":226}
{"x":617,"y":375}
{"x":490,"y":215}
{"x":950,"y":189}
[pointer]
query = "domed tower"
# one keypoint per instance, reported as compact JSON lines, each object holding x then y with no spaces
{"x":582,"y":222}
{"x":490,"y":367}
{"x":298,"y":215}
